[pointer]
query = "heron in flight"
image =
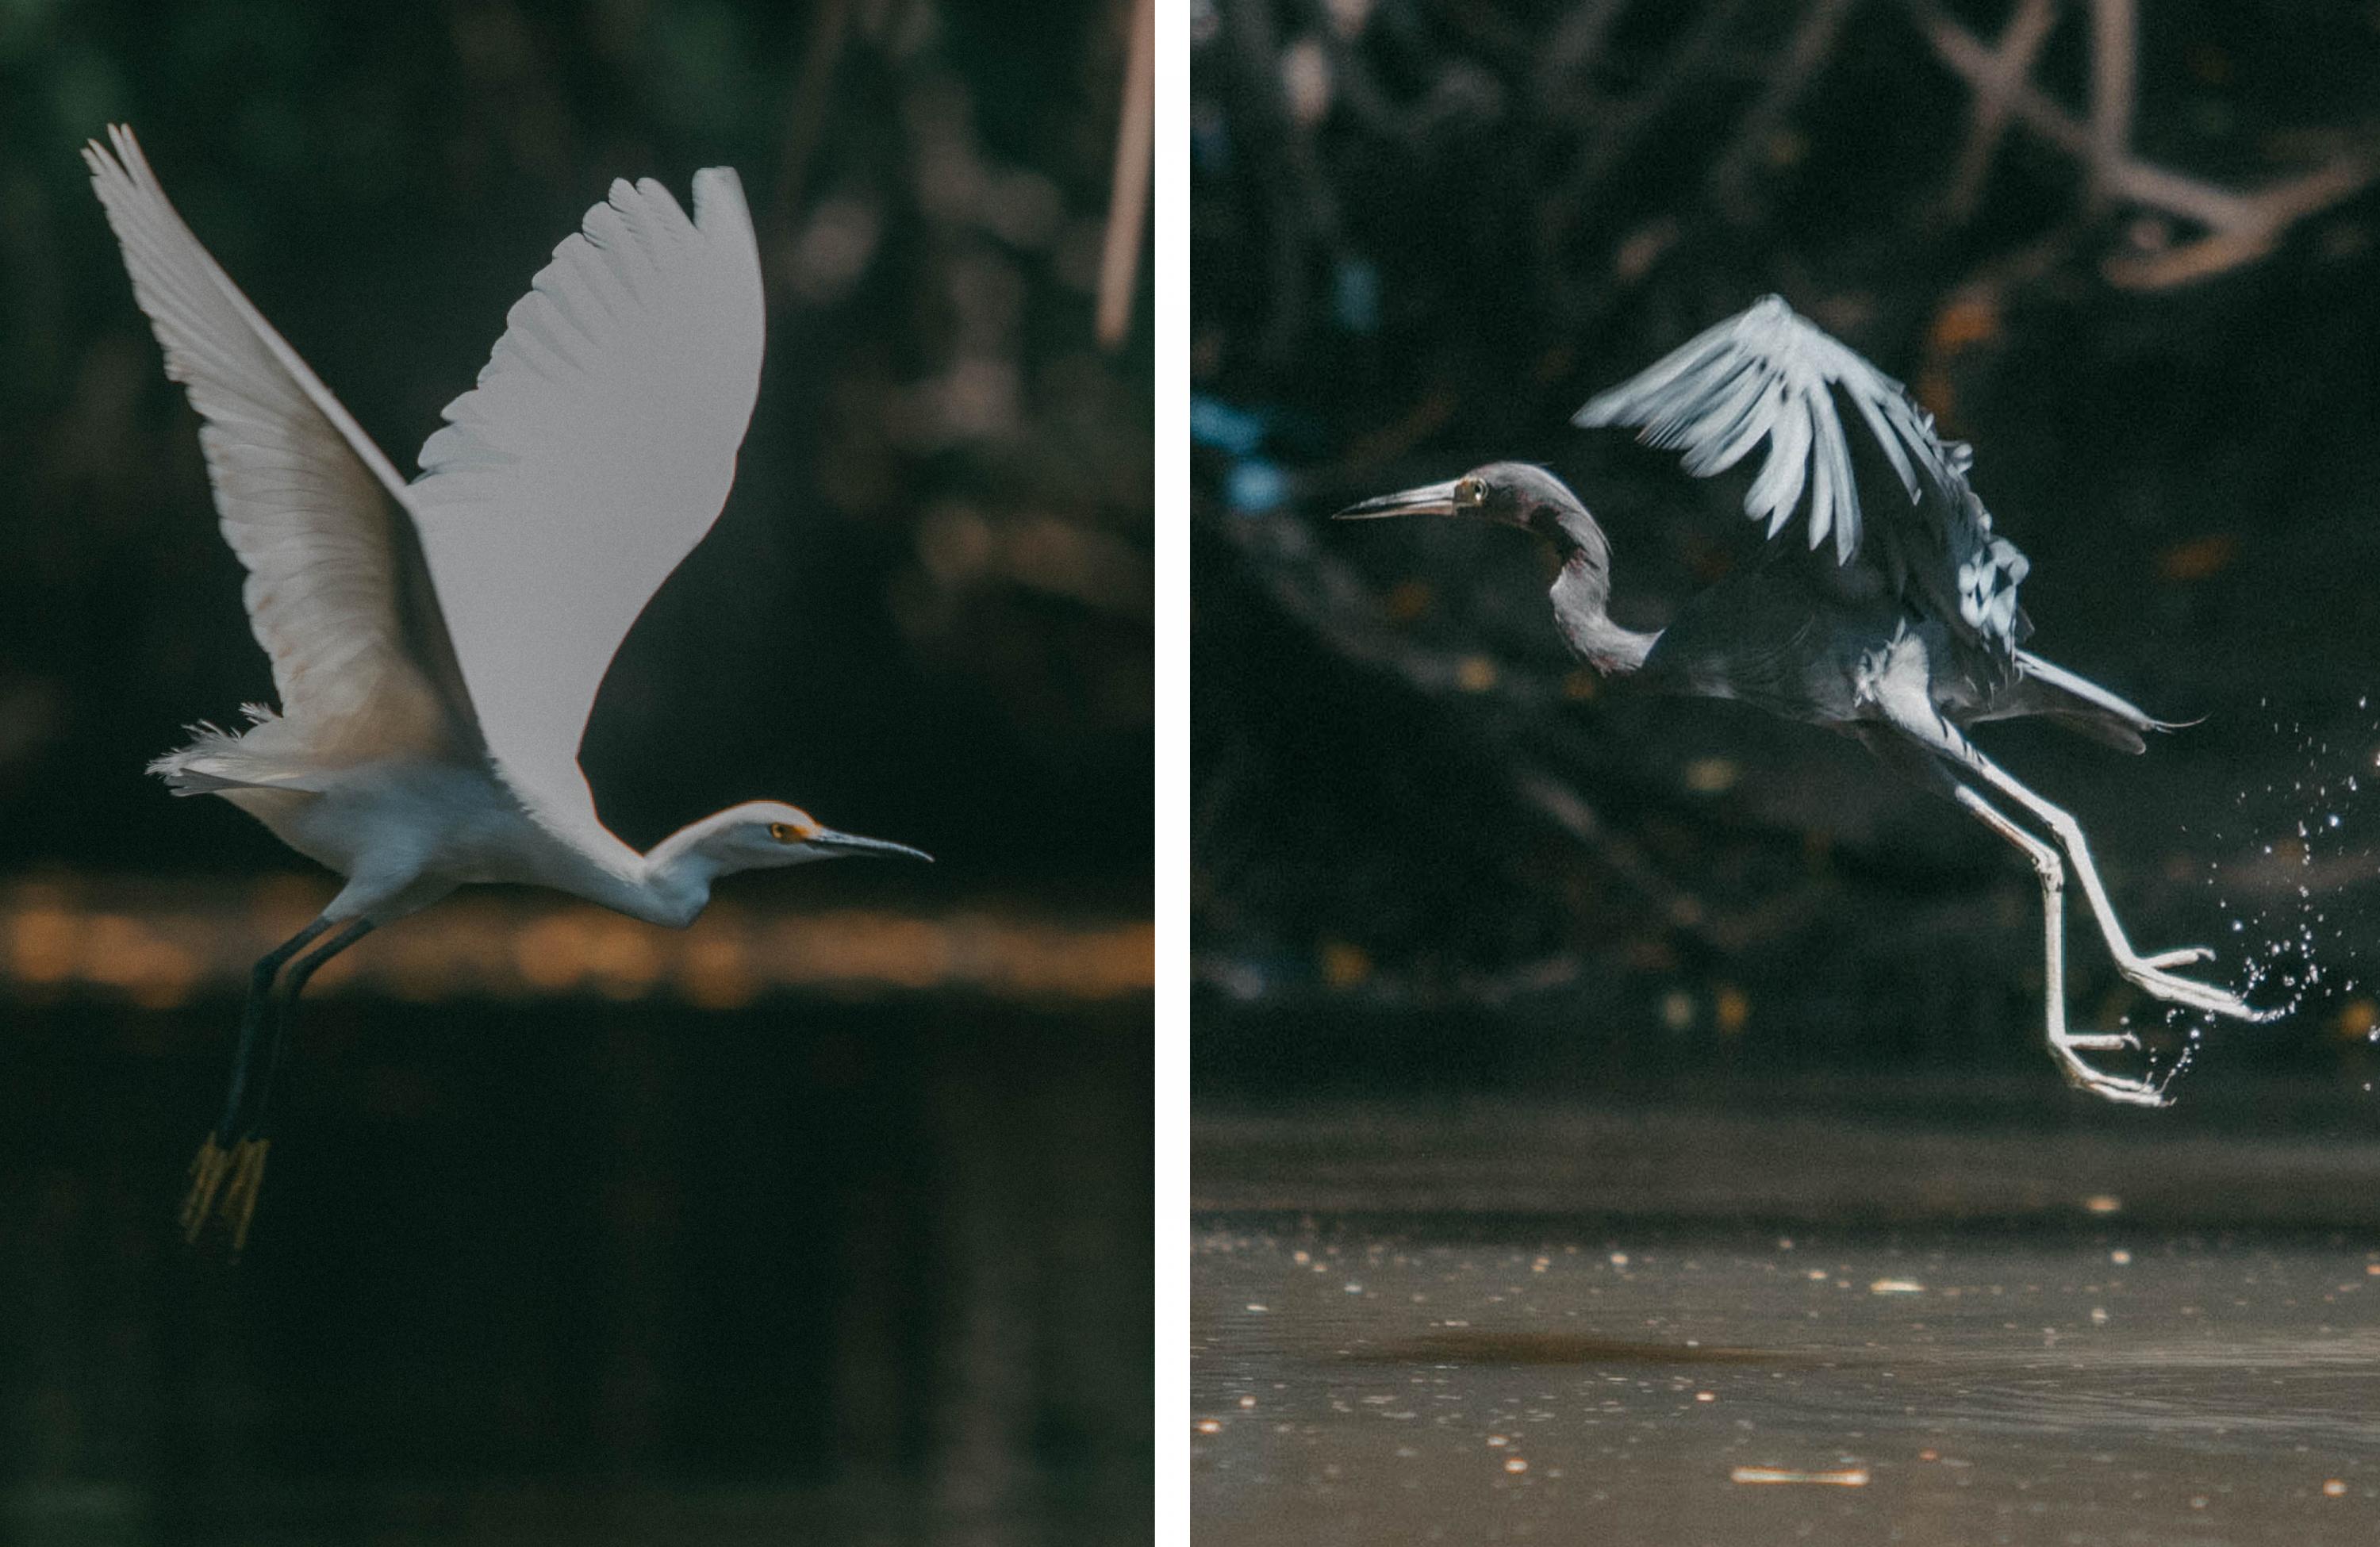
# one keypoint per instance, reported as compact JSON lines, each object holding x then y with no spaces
{"x":1902,"y":631}
{"x":437,"y":644}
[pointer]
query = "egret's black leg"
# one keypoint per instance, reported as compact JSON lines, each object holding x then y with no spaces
{"x":254,"y":1015}
{"x":246,"y":1180}
{"x":285,"y":1011}
{"x":213,"y":1162}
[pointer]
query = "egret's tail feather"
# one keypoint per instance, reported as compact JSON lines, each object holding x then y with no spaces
{"x":184,"y":779}
{"x":219,"y":760}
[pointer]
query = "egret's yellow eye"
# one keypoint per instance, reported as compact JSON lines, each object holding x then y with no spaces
{"x":1470,"y":491}
{"x":784,"y":832}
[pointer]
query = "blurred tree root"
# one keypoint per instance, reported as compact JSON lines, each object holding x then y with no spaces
{"x":1423,"y":234}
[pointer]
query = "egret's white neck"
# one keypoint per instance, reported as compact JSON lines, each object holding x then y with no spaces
{"x":671,"y":883}
{"x":680,"y":869}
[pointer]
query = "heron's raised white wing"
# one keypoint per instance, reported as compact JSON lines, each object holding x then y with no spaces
{"x":305,"y":500}
{"x":594,"y":454}
{"x":1768,"y":373}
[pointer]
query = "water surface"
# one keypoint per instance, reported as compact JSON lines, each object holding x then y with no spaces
{"x":1842,"y":1329}
{"x":576,"y":1272}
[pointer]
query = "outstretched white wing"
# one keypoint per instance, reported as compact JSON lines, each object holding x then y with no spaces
{"x":305,"y":500}
{"x":1768,"y":373}
{"x":594,"y":454}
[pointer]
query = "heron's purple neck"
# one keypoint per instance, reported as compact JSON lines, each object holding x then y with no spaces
{"x":1582,"y":593}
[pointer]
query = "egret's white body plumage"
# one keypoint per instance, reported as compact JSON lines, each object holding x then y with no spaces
{"x":437,"y":645}
{"x":407,"y":833}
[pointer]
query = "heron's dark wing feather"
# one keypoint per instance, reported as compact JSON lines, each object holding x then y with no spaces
{"x":1769,"y":373}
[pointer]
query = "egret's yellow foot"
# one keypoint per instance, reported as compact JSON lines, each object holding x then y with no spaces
{"x":225,"y":1182}
{"x":208,"y":1170}
{"x":246,"y":1181}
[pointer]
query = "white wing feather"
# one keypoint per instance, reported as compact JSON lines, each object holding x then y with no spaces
{"x":1770,"y":374}
{"x":594,"y":454}
{"x":305,"y":500}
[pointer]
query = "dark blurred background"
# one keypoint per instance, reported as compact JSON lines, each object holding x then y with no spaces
{"x":2127,"y":252}
{"x":825,"y":1221}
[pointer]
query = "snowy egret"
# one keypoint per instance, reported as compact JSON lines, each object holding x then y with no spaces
{"x":437,"y":645}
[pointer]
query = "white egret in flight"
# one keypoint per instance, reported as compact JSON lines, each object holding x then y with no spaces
{"x":437,"y":644}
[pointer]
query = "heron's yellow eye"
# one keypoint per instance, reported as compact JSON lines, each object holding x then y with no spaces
{"x":1470,"y":491}
{"x":784,"y":832}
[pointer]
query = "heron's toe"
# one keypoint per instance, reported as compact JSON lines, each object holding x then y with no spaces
{"x":2183,"y":957}
{"x":2107,"y":1087}
{"x":2212,"y":998}
{"x":2128,"y":1092}
{"x":2223,"y":1002}
{"x":2111,"y":1087}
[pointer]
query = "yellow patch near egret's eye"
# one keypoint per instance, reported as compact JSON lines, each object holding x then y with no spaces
{"x":1470,"y":491}
{"x":784,"y":833}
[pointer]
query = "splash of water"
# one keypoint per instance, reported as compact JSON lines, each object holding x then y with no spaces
{"x":2286,"y":853}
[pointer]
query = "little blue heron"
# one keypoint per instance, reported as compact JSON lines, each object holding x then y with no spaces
{"x":1902,"y":631}
{"x":437,"y":644}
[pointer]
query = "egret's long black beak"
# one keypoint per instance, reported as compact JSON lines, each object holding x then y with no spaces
{"x":1430,"y":499}
{"x":856,"y":846}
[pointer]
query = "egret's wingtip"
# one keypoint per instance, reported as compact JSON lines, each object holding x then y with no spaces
{"x":1600,"y":412}
{"x":101,"y":154}
{"x":717,"y":186}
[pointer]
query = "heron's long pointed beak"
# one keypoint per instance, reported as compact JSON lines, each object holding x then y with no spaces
{"x":1430,"y":499}
{"x":851,"y":843}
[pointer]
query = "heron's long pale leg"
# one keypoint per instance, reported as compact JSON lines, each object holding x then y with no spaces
{"x":2066,"y":1047}
{"x":229,"y":1169}
{"x":1902,"y":694}
{"x":2149,"y":972}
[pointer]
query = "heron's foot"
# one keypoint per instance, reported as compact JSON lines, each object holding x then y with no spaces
{"x":223,"y":1185}
{"x":2114,"y":1087}
{"x":2149,"y":973}
{"x":2104,"y":1041}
